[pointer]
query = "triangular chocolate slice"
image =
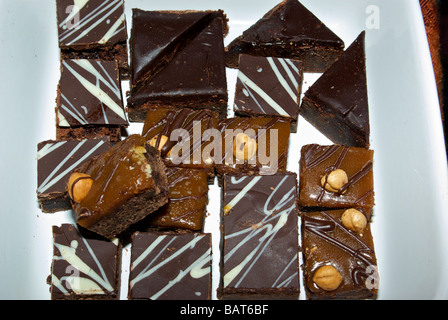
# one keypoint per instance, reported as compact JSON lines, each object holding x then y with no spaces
{"x":337,"y":104}
{"x":289,"y":30}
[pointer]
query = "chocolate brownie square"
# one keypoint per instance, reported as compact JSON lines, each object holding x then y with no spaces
{"x":84,"y":267}
{"x":338,"y":254}
{"x":269,"y":86}
{"x":170,"y":266}
{"x":259,"y":241}
{"x":336,"y":176}
{"x":94,"y":29}
{"x":89,"y":101}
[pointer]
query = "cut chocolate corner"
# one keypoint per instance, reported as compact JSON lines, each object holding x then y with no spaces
{"x":289,"y":30}
{"x":337,"y":103}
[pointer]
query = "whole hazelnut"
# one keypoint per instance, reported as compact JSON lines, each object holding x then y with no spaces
{"x":78,"y":186}
{"x":244,"y":147}
{"x":354,"y":220}
{"x":327,"y":278}
{"x":334,"y":181}
{"x":163,"y":140}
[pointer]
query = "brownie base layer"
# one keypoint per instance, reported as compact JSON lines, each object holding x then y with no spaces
{"x":89,"y":132}
{"x":315,"y":59}
{"x":117,"y":52}
{"x":51,"y":203}
{"x":137,"y":112}
{"x":331,"y":125}
{"x":243,"y":294}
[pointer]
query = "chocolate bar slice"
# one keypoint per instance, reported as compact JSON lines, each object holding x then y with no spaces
{"x":177,"y":60}
{"x":289,"y":30}
{"x":339,"y":256}
{"x":336,"y":176}
{"x":252,"y":145}
{"x":259,"y":237}
{"x":119,"y":187}
{"x":170,"y":266}
{"x":269,"y":86}
{"x":89,"y":101}
{"x":84,"y":267}
{"x":93,"y":29}
{"x":56,"y":160}
{"x":181,"y":135}
{"x":337,"y":103}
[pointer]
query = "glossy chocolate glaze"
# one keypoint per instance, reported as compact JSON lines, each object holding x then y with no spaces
{"x":326,"y":241}
{"x":127,"y":170}
{"x":316,"y":161}
{"x":178,"y":266}
{"x":259,"y":237}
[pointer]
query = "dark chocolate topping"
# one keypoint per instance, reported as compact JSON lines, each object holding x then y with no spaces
{"x":290,"y":21}
{"x":268,"y":85}
{"x":96,"y":274}
{"x":56,"y":160}
{"x":90,"y":94}
{"x":177,"y":268}
{"x":342,"y":89}
{"x":195,"y":72}
{"x":260,"y":224}
{"x":95,"y":23}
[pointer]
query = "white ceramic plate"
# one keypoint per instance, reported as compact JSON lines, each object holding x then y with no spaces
{"x":410,"y":224}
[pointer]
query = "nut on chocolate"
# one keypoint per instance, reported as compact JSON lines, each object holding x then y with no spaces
{"x":79,"y":185}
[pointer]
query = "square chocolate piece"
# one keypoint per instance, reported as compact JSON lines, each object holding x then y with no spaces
{"x":89,"y":101}
{"x":269,"y":86}
{"x":338,"y":254}
{"x":187,"y":201}
{"x":170,"y":266}
{"x":56,"y":160}
{"x":93,"y":29}
{"x":181,"y":135}
{"x":84,"y":267}
{"x":336,"y":176}
{"x":253,"y":145}
{"x":259,"y":237}
{"x":177,"y":59}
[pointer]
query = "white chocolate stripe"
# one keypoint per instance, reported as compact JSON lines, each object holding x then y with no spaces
{"x":97,"y":92}
{"x":87,"y":65}
{"x":274,"y":105}
{"x":148,"y":271}
{"x":68,"y":253}
{"x":77,"y":6}
{"x":50,"y":181}
{"x":293,"y":79}
{"x":147,"y":251}
{"x":241,"y":194}
{"x":281,"y":79}
{"x":113,"y":30}
{"x":49,"y":148}
{"x":195,"y":270}
{"x":86,"y":31}
{"x":94,"y":15}
{"x":85,"y":20}
{"x":287,"y":280}
{"x":271,"y":214}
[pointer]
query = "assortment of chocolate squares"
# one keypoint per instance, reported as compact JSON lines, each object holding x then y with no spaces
{"x":150,"y":190}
